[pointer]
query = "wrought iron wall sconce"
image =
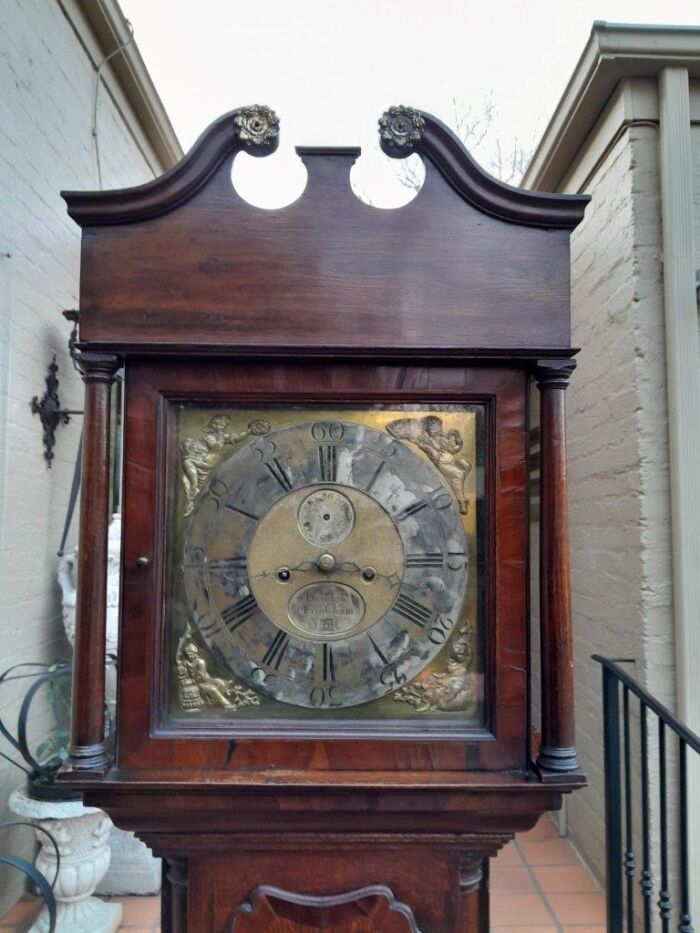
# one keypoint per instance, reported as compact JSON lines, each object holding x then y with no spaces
{"x":49,"y":410}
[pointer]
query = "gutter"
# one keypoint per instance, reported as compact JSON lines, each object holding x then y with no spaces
{"x":614,"y":51}
{"x":109,"y":26}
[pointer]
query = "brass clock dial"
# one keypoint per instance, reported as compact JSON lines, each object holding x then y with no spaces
{"x":325,"y":563}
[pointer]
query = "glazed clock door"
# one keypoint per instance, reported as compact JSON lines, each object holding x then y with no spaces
{"x":325,"y":563}
{"x":347,"y":573}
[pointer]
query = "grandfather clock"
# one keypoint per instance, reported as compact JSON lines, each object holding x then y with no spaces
{"x":323,"y":710}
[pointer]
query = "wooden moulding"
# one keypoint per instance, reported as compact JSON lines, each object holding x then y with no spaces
{"x":148,"y":741}
{"x":184,"y":264}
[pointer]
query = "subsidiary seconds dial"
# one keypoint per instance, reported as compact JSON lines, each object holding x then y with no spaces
{"x":325,"y":564}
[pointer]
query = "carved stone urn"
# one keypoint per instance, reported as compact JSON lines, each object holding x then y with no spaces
{"x":81,"y":834}
{"x":67,"y":570}
{"x":134,"y":870}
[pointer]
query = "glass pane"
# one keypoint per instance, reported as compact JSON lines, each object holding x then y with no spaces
{"x":326,"y":567}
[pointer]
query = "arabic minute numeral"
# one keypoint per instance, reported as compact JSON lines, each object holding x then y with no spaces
{"x":325,"y":696}
{"x":207,"y":625}
{"x":327,"y":431}
{"x":456,"y":560}
{"x":412,"y":610}
{"x":217,"y":491}
{"x":440,"y":499}
{"x":393,"y":678}
{"x":438,"y":633}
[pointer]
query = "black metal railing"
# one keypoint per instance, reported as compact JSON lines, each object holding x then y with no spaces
{"x":632,"y":884}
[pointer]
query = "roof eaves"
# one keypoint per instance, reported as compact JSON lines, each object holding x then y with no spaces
{"x":112,"y":31}
{"x":613,"y":51}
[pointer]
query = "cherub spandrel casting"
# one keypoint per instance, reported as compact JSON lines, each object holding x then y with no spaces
{"x":200,"y":455}
{"x":452,"y":690}
{"x":197,"y":688}
{"x":440,"y":446}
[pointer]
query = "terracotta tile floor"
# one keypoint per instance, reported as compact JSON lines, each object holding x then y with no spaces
{"x":538,"y":885}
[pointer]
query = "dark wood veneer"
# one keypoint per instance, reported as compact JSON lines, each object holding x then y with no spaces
{"x":151,"y":387}
{"x":184,"y":260}
{"x":462,"y":295}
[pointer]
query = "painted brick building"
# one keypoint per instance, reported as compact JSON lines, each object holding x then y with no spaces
{"x":627,"y":132}
{"x":52,"y":50}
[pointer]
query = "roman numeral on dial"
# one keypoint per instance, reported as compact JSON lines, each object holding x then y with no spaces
{"x":227,"y":565}
{"x":327,"y":662}
{"x":412,"y":611}
{"x":278,"y":646}
{"x":411,"y":510}
{"x":280,"y":474}
{"x":425,"y":559}
{"x":328,"y":462}
{"x":375,"y":476}
{"x":239,"y":612}
{"x":377,"y":650}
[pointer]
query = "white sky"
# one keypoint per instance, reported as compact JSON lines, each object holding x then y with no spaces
{"x":330,"y":67}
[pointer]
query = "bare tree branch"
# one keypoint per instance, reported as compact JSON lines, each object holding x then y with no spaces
{"x":475,"y":130}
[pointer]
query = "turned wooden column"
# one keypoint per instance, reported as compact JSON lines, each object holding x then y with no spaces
{"x":557,"y":751}
{"x":174,"y":896}
{"x":87,"y":748}
{"x":473,"y":887}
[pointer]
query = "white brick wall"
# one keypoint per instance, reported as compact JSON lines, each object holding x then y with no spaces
{"x":695,"y":137}
{"x":618,"y":455}
{"x":46,"y":145}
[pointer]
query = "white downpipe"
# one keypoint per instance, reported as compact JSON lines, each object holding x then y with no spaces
{"x":683,"y":373}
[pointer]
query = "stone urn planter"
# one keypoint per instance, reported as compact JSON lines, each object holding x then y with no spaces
{"x":134,"y":870}
{"x":81,"y":834}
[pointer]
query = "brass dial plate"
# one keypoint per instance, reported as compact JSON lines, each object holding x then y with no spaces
{"x":405,"y":529}
{"x":358,"y":534}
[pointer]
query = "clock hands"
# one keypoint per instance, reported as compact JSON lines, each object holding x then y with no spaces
{"x":349,"y":568}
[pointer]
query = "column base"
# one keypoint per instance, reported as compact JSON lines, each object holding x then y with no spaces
{"x":88,"y":758}
{"x":558,"y":758}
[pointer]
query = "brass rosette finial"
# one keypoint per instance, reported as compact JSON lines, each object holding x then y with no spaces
{"x":257,"y":125}
{"x":401,"y":127}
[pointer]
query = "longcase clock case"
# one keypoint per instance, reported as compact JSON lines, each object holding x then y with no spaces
{"x":323,"y":709}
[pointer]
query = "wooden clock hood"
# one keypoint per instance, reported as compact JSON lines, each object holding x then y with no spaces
{"x":184,"y":261}
{"x":455,"y":300}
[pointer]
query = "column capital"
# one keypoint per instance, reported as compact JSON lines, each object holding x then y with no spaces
{"x":470,"y":873}
{"x":554,"y":374}
{"x":97,"y":367}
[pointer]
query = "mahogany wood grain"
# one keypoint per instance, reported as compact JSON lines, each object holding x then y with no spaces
{"x":183,"y":261}
{"x":87,"y":745}
{"x":421,"y":876}
{"x":452,"y":298}
{"x":222,"y":139}
{"x":147,"y":741}
{"x":557,"y":751}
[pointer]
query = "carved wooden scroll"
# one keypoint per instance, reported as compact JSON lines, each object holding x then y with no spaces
{"x":368,"y":910}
